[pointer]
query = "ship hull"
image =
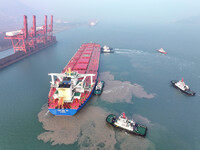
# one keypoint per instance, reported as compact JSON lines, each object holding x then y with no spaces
{"x":188,"y":92}
{"x":110,"y":50}
{"x":107,"y":52}
{"x":85,"y":61}
{"x":131,"y":132}
{"x":162,"y":52}
{"x":111,"y":122}
{"x":69,"y":112}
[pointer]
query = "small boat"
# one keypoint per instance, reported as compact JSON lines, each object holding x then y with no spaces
{"x":107,"y":49}
{"x":161,"y":50}
{"x":99,"y":88}
{"x":93,"y":23}
{"x":128,"y":125}
{"x":183,"y":87}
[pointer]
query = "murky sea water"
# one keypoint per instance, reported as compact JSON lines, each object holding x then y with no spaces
{"x":137,"y":82}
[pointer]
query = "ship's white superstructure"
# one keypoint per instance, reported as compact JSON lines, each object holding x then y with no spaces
{"x":106,"y":49}
{"x":124,"y":123}
{"x":70,"y":85}
{"x":161,"y":50}
{"x":99,"y":86}
{"x":181,"y":84}
{"x":182,"y":87}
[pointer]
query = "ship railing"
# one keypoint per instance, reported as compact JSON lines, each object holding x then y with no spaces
{"x":53,"y":86}
{"x":88,"y":88}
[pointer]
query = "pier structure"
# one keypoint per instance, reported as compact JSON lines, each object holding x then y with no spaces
{"x":27,"y":42}
{"x":35,"y":38}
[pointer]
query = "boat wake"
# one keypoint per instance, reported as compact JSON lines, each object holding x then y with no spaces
{"x":129,"y":51}
{"x":152,"y":54}
{"x":142,"y":120}
{"x":139,"y":59}
{"x":123,"y":49}
{"x":118,"y":52}
{"x":46,"y":113}
{"x":107,"y":91}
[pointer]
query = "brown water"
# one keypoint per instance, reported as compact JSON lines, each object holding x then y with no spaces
{"x":88,"y":127}
{"x":121,"y":91}
{"x":172,"y":118}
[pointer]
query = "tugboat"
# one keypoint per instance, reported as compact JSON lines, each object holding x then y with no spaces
{"x":99,"y":88}
{"x":183,"y":87}
{"x":128,"y":125}
{"x":107,"y":49}
{"x":161,"y":50}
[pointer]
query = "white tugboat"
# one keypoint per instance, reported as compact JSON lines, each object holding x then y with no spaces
{"x":161,"y":50}
{"x":107,"y":49}
{"x":128,"y":125}
{"x":183,"y":87}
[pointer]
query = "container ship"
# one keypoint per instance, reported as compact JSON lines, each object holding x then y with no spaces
{"x":71,"y":89}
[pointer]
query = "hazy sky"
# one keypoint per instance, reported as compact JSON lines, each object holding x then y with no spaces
{"x":117,"y":11}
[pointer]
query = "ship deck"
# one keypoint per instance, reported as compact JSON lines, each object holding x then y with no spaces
{"x":84,"y":61}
